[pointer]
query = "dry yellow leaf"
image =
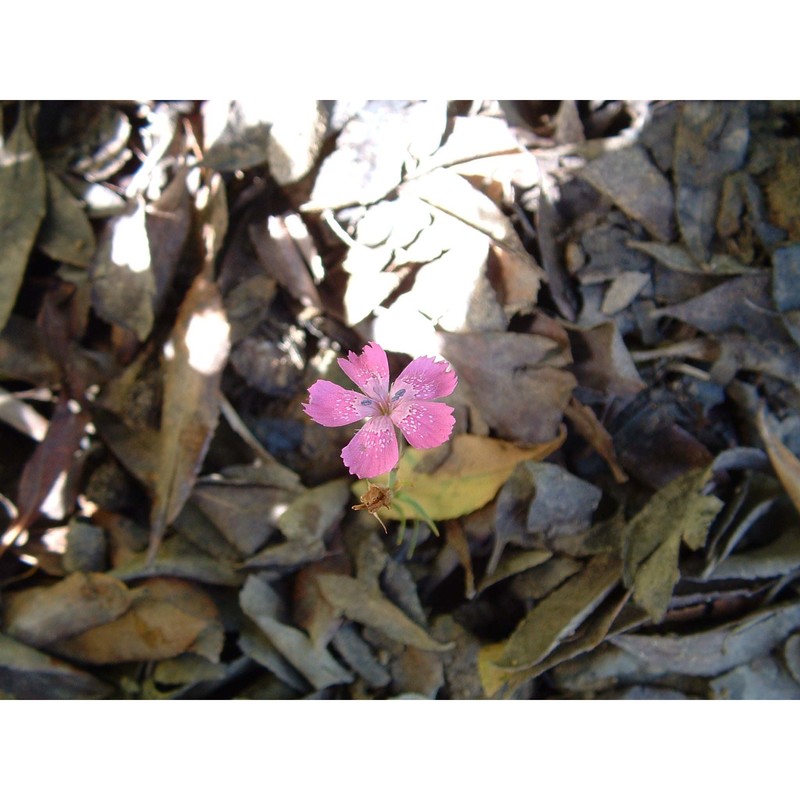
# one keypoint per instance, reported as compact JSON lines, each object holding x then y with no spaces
{"x":464,"y":479}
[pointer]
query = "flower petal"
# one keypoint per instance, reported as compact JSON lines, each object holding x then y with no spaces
{"x":373,"y":449}
{"x":331,"y":405}
{"x":425,"y":379}
{"x":424,"y":424}
{"x":369,"y":371}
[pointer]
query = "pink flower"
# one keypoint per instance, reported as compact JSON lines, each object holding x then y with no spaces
{"x":374,"y":450}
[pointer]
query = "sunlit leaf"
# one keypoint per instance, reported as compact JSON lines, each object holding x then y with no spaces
{"x":467,"y":474}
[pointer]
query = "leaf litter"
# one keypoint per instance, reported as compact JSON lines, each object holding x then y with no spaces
{"x":614,"y":283}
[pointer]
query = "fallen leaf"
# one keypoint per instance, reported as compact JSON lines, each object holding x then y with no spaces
{"x":515,"y":380}
{"x":50,"y":466}
{"x":247,"y":516}
{"x":589,"y":635}
{"x":559,"y":614}
{"x":22,"y":207}
{"x":66,"y":233}
{"x":179,"y":558}
{"x":355,"y":601}
{"x":680,"y":512}
{"x":603,"y":362}
{"x":27,"y":674}
{"x":39,"y":616}
{"x":359,"y":656}
{"x":167,"y":617}
{"x":282,"y":259}
{"x":763,"y":678}
{"x":121,"y":273}
{"x":374,"y":145}
{"x":314,"y":512}
{"x":631,"y":181}
{"x":719,"y":649}
{"x":510,"y":564}
{"x":316,"y":664}
{"x":472,"y":471}
{"x":710,"y":141}
{"x":196,"y":355}
{"x":590,"y":428}
{"x":784,"y":461}
{"x":785,"y":280}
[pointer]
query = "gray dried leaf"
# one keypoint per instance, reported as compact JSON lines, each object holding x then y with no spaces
{"x":27,"y":674}
{"x":179,"y":558}
{"x":314,"y":512}
{"x":359,"y":656}
{"x":719,"y":649}
{"x":786,"y":287}
{"x":259,"y":601}
{"x":357,"y":602}
{"x":762,"y":679}
{"x":539,"y":504}
{"x":630,"y":180}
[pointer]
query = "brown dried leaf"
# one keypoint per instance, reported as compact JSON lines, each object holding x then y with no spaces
{"x":197,"y":352}
{"x":166,"y":618}
{"x":588,"y":426}
{"x":42,"y":615}
{"x":515,"y":380}
{"x":52,"y":461}
{"x":602,"y":361}
{"x":784,"y":461}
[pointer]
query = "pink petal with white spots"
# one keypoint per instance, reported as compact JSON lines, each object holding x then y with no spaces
{"x":373,"y":449}
{"x":369,"y":371}
{"x":424,"y":424}
{"x":425,"y":379}
{"x":331,"y":405}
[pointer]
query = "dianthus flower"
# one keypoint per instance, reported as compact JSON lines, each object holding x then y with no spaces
{"x":407,"y":405}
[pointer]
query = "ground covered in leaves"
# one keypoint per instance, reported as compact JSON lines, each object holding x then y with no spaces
{"x":617,"y":286}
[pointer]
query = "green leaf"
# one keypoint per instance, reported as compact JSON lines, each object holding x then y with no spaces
{"x":679,"y":512}
{"x":22,"y":208}
{"x":559,"y":614}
